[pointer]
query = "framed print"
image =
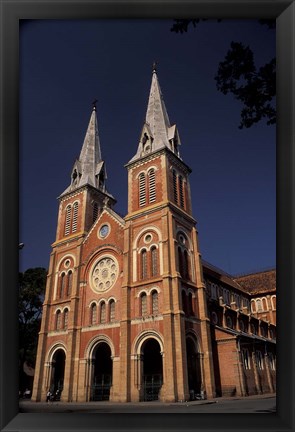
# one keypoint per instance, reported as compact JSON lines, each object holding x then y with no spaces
{"x":103,"y":106}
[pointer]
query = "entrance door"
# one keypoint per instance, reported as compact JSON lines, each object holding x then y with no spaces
{"x":193,"y":369}
{"x":152,"y":370}
{"x":102,"y":373}
{"x":58,"y":372}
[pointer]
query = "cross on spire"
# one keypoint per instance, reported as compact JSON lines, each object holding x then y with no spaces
{"x":94,"y":104}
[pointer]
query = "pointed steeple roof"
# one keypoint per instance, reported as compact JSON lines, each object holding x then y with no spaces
{"x":89,"y":169}
{"x":157,"y":131}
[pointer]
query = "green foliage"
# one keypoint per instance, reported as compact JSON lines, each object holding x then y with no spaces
{"x":31,"y":295}
{"x":237,"y":74}
{"x":256,"y":89}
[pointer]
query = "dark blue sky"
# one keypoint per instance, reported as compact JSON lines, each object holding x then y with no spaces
{"x":65,"y":65}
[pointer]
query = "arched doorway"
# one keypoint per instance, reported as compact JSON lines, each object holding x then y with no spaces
{"x":57,"y":373}
{"x":152,"y":370}
{"x":193,"y":368}
{"x":102,"y":372}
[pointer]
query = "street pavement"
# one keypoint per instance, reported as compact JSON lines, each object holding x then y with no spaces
{"x":251,"y":404}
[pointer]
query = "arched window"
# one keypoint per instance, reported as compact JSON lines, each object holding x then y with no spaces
{"x":62,"y":285}
{"x":58,"y":320}
{"x":93,"y":314}
{"x":190,"y":304}
{"x":185,"y":265}
{"x":184,"y":301}
{"x":175,"y":186}
{"x":143,"y":264}
{"x":68,"y":219}
{"x":75,"y":217}
{"x":274,"y":302}
{"x":154,"y":255}
{"x":143,"y":304}
{"x":253,"y":306}
{"x":259,"y":305}
{"x":181,"y":196}
{"x":152,"y":186}
{"x":112,"y":311}
{"x":66,"y":318}
{"x":264,"y":304}
{"x":141,"y":180}
{"x":155,"y":303}
{"x":95,"y":212}
{"x":70,"y":281}
{"x":180,"y":262}
{"x":102,"y":312}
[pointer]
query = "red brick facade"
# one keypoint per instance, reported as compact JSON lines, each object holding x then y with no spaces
{"x":131,"y":313}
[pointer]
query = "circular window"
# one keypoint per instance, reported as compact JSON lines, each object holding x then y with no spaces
{"x":242,"y":325}
{"x":104,"y":274}
{"x":214,"y":318}
{"x":181,"y":239}
{"x":67,"y":263}
{"x":148,"y":238}
{"x":104,"y":231}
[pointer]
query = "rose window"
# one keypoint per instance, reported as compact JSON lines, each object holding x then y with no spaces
{"x":104,"y":274}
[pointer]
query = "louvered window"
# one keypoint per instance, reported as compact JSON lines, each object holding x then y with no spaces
{"x":103,"y":312}
{"x":155,"y":303}
{"x":154,"y":253}
{"x":152,"y":186}
{"x":175,"y":186}
{"x":95,"y":212}
{"x":62,"y":285}
{"x":68,"y":220}
{"x":66,"y":318}
{"x":93,"y":314}
{"x":75,"y":217}
{"x":112,"y":311}
{"x":143,"y":300}
{"x":58,"y":320}
{"x":70,"y":281}
{"x":143,"y":264}
{"x":142,"y":192}
{"x":181,"y":196}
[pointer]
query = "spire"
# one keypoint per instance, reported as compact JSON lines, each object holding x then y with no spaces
{"x":157,"y":132}
{"x":89,"y":169}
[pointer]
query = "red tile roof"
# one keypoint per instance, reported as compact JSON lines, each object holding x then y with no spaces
{"x":257,"y":283}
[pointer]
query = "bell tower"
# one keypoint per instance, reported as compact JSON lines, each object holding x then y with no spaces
{"x":85,"y":197}
{"x":79,"y":207}
{"x":164,"y":253}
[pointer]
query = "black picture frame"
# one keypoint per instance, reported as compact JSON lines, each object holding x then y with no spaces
{"x":11,"y":13}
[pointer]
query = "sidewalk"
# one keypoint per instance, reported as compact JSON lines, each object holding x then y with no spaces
{"x":25,"y":403}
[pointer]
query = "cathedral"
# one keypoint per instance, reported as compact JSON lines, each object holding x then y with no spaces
{"x":131,"y":311}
